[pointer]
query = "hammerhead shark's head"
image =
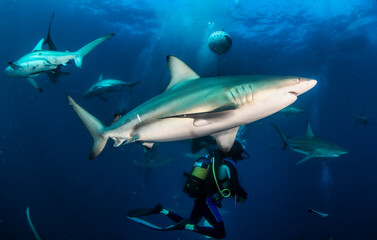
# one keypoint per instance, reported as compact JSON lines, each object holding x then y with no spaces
{"x":311,"y":146}
{"x":42,"y":61}
{"x":193,"y":107}
{"x":107,"y":85}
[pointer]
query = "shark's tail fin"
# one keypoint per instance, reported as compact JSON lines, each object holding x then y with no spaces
{"x":282,"y":135}
{"x":93,"y":125}
{"x":89,"y":47}
{"x":131,"y":85}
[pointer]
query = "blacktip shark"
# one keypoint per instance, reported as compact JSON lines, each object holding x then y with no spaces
{"x":107,"y":85}
{"x":311,"y":146}
{"x":42,"y":61}
{"x":193,"y":107}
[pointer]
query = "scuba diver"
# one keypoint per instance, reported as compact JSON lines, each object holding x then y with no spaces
{"x":212,"y":178}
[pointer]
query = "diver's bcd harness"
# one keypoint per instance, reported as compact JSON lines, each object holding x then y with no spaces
{"x":203,"y":171}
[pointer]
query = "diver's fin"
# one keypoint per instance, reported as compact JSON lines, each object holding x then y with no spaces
{"x":309,"y":130}
{"x":225,"y":139}
{"x":282,"y":135}
{"x":34,"y":83}
{"x":38,"y":47}
{"x":308,"y":157}
{"x":178,"y":226}
{"x":94,"y":126}
{"x":141,"y":212}
{"x":89,"y":47}
{"x":31,"y":225}
{"x":48,"y":40}
{"x":179,"y":71}
{"x":14,"y":66}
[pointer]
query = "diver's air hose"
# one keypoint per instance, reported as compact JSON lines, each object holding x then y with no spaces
{"x":217,"y":184}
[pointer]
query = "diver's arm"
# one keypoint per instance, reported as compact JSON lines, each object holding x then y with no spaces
{"x":234,"y":185}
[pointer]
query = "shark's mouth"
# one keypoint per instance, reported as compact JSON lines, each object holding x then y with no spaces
{"x":293,"y":93}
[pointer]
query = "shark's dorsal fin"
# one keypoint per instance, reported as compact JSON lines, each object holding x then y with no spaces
{"x":179,"y":71}
{"x":225,"y":139}
{"x":309,"y":131}
{"x":100,"y":78}
{"x":39,"y":45}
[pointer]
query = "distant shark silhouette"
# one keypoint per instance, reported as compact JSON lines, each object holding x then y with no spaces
{"x":288,"y":111}
{"x":107,"y":85}
{"x":361,"y":119}
{"x":43,"y":61}
{"x":311,"y":146}
{"x":193,"y":107}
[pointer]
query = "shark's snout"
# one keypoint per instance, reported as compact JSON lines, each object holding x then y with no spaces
{"x":304,"y":85}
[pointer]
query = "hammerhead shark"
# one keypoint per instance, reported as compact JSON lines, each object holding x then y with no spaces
{"x":311,"y":146}
{"x":43,"y":61}
{"x":193,"y":107}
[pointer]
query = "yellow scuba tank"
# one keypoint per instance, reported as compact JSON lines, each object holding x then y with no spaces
{"x":197,"y":183}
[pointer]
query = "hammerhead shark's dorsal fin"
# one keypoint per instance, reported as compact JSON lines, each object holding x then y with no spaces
{"x":225,"y":139}
{"x":39,"y":45}
{"x":309,"y":131}
{"x":100,"y":78}
{"x":179,"y":71}
{"x":308,"y":157}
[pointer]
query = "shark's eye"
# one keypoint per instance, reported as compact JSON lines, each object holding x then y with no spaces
{"x":298,"y":80}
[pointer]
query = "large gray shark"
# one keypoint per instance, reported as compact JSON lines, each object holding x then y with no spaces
{"x":42,"y":61}
{"x":311,"y":146}
{"x":107,"y":85}
{"x":193,"y":107}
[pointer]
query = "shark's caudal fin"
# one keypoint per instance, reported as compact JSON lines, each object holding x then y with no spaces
{"x":89,"y":47}
{"x":48,"y":40}
{"x":131,"y":85}
{"x":282,"y":135}
{"x":93,"y":125}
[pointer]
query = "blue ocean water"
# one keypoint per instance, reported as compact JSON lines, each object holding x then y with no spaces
{"x":44,"y":147}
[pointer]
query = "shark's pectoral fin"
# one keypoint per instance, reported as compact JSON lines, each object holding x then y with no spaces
{"x":117,"y":142}
{"x":34,"y":83}
{"x":206,"y":118}
{"x":225,"y":139}
{"x":147,"y":145}
{"x":14,"y":66}
{"x":102,"y":97}
{"x":308,"y":157}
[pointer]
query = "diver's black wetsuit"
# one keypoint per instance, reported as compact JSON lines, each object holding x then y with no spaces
{"x":206,"y":205}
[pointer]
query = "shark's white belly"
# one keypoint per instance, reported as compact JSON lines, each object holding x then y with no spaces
{"x":173,"y":129}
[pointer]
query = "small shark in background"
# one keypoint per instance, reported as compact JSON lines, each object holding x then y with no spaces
{"x":53,"y":75}
{"x":107,"y":85}
{"x":288,"y":111}
{"x":42,"y":61}
{"x":193,"y":107}
{"x":31,"y":225}
{"x":311,"y":146}
{"x":361,"y":119}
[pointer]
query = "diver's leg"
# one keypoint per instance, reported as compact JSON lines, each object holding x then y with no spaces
{"x":176,"y":218}
{"x":212,"y":215}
